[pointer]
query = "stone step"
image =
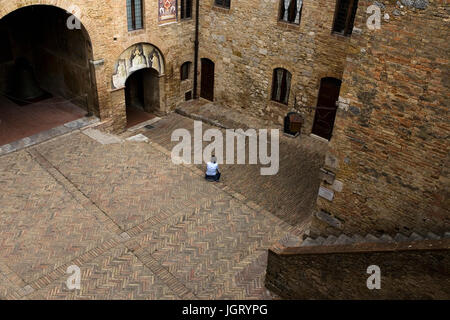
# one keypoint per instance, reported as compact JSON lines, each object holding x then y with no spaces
{"x":386,"y":238}
{"x":343,"y":239}
{"x":415,"y":237}
{"x":329,"y":241}
{"x":432,"y":236}
{"x":308,"y":242}
{"x":371,"y":238}
{"x":356,"y":238}
{"x":400,"y":237}
{"x":320,"y":240}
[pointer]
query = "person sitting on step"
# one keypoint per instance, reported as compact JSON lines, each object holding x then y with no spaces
{"x":212,"y":170}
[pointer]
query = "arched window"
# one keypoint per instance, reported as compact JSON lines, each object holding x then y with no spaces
{"x":281,"y":84}
{"x":291,"y":11}
{"x":184,"y":70}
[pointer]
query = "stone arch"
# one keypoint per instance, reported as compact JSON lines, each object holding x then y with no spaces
{"x":76,"y":83}
{"x":138,"y":56}
{"x":67,"y":5}
{"x":326,"y":74}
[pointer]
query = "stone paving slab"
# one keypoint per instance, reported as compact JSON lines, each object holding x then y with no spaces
{"x":47,"y":135}
{"x":102,"y":137}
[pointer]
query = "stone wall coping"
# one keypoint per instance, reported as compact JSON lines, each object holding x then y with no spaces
{"x":429,"y":245}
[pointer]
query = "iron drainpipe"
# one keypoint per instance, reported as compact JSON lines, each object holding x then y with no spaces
{"x":196,"y":43}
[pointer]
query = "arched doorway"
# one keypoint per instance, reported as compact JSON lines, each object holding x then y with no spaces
{"x":207,"y":80}
{"x":139,"y":74}
{"x":141,"y":95}
{"x":326,"y":107}
{"x":46,"y":78}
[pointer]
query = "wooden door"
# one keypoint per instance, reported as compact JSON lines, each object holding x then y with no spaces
{"x":207,"y":80}
{"x":326,"y":107}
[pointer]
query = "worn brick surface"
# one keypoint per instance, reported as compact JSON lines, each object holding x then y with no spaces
{"x":138,"y":226}
{"x":129,"y":181}
{"x":211,"y":242}
{"x":117,"y":274}
{"x":41,"y":225}
{"x":290,"y":194}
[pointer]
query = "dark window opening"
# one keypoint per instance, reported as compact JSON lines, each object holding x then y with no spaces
{"x":188,"y":96}
{"x":134,"y":15}
{"x":184,"y":70}
{"x":281,"y":85}
{"x":222,"y":3}
{"x":293,"y":123}
{"x":344,"y":17}
{"x":291,"y":11}
{"x":186,"y":9}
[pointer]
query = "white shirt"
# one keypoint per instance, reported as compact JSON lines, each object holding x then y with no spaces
{"x":211,"y":168}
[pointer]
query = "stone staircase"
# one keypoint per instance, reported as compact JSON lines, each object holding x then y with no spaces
{"x":412,"y":266}
{"x":356,"y":238}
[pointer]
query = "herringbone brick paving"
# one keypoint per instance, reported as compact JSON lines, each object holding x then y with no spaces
{"x":290,"y":194}
{"x":138,"y":226}
{"x":210,"y":242}
{"x":117,"y":274}
{"x":41,"y":225}
{"x":126,"y":180}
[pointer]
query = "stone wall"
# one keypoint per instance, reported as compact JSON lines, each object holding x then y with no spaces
{"x":407,"y":271}
{"x":390,"y":150}
{"x":247,"y":42}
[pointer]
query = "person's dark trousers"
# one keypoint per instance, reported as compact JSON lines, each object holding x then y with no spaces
{"x":216,"y":177}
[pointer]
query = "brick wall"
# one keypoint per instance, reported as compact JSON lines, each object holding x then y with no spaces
{"x":407,"y":271}
{"x":390,"y":149}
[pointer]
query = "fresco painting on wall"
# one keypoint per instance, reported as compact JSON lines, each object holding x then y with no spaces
{"x":167,"y":11}
{"x":136,"y":57}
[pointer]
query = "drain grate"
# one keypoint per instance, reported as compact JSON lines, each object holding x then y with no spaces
{"x":149,"y":126}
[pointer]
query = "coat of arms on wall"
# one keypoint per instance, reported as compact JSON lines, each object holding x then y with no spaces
{"x":136,"y":57}
{"x":167,"y":11}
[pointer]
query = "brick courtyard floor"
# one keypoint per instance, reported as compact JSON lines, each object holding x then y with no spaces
{"x":138,"y":226}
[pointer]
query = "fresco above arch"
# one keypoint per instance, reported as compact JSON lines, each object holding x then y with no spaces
{"x":136,"y":57}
